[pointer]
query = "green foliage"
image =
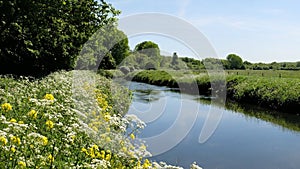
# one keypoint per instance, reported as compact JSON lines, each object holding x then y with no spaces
{"x":213,"y":63}
{"x":156,"y":77}
{"x":104,"y":50}
{"x":136,"y":60}
{"x":193,"y":64}
{"x":235,"y":62}
{"x":148,"y":48}
{"x":44,"y":36}
{"x":276,"y":93}
{"x":267,"y":91}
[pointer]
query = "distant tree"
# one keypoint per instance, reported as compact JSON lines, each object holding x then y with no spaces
{"x":174,"y":59}
{"x":235,"y":61}
{"x":298,"y":64}
{"x":148,"y":48}
{"x":225,"y":64}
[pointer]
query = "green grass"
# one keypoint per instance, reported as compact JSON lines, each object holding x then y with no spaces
{"x":267,"y":91}
{"x":266,"y":73}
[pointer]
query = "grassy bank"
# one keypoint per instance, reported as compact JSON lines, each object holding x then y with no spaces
{"x":275,"y":93}
{"x":75,"y":119}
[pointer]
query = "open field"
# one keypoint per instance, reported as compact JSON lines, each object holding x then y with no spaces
{"x":267,"y":91}
{"x":266,"y":73}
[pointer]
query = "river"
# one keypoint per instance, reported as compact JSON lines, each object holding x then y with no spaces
{"x":244,"y":138}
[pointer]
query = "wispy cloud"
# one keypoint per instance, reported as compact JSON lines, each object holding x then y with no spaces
{"x":274,"y":12}
{"x":183,"y":7}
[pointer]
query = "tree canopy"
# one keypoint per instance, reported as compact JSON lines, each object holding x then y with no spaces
{"x":105,"y":49}
{"x":235,"y":61}
{"x":45,"y":36}
{"x":148,"y":48}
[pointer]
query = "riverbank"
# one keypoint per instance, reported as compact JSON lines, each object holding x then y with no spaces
{"x":75,"y":119}
{"x":275,"y":93}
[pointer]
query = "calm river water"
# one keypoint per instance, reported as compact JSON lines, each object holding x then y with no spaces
{"x":240,"y":141}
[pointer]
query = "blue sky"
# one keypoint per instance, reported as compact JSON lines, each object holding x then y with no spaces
{"x":257,"y":30}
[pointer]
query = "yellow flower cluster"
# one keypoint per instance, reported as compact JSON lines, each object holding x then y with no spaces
{"x":3,"y":140}
{"x":49,"y":124}
{"x":22,"y":164}
{"x":6,"y":107}
{"x":94,"y":152}
{"x":44,"y":140}
{"x":49,"y":97}
{"x":15,"y":139}
{"x":33,"y":114}
{"x":13,"y":120}
{"x":50,"y":158}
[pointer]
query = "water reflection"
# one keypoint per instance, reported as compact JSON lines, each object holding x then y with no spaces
{"x":282,"y":119}
{"x":247,"y":137}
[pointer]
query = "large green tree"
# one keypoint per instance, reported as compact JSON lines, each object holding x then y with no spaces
{"x":235,"y":61}
{"x":148,"y":48}
{"x":105,"y":49}
{"x":45,"y":36}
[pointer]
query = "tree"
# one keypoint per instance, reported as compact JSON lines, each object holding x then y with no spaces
{"x":148,"y":48}
{"x":108,"y":44}
{"x":235,"y":61}
{"x":45,"y":36}
{"x":298,"y":64}
{"x":121,"y":48}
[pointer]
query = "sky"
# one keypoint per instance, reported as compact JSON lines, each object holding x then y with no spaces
{"x":257,"y":30}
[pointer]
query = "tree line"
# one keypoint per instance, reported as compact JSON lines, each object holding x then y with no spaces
{"x":39,"y":37}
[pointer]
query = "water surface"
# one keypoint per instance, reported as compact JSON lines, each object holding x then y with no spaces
{"x":242,"y":140}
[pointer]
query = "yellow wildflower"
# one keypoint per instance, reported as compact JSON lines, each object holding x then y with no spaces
{"x":84,"y":150}
{"x":49,"y":97}
{"x":102,"y":154}
{"x":3,"y":140}
{"x":6,"y":107}
{"x":32,"y":114}
{"x":50,"y":158}
{"x":45,"y":140}
{"x":49,"y":124}
{"x":147,"y":164}
{"x":21,"y":122}
{"x":95,"y":147}
{"x":15,"y":139}
{"x":13,"y":149}
{"x":108,"y":157}
{"x":132,"y":136}
{"x":107,"y":117}
{"x":22,"y":164}
{"x":13,"y":120}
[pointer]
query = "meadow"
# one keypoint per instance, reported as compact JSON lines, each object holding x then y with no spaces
{"x":263,"y":88}
{"x":69,"y":120}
